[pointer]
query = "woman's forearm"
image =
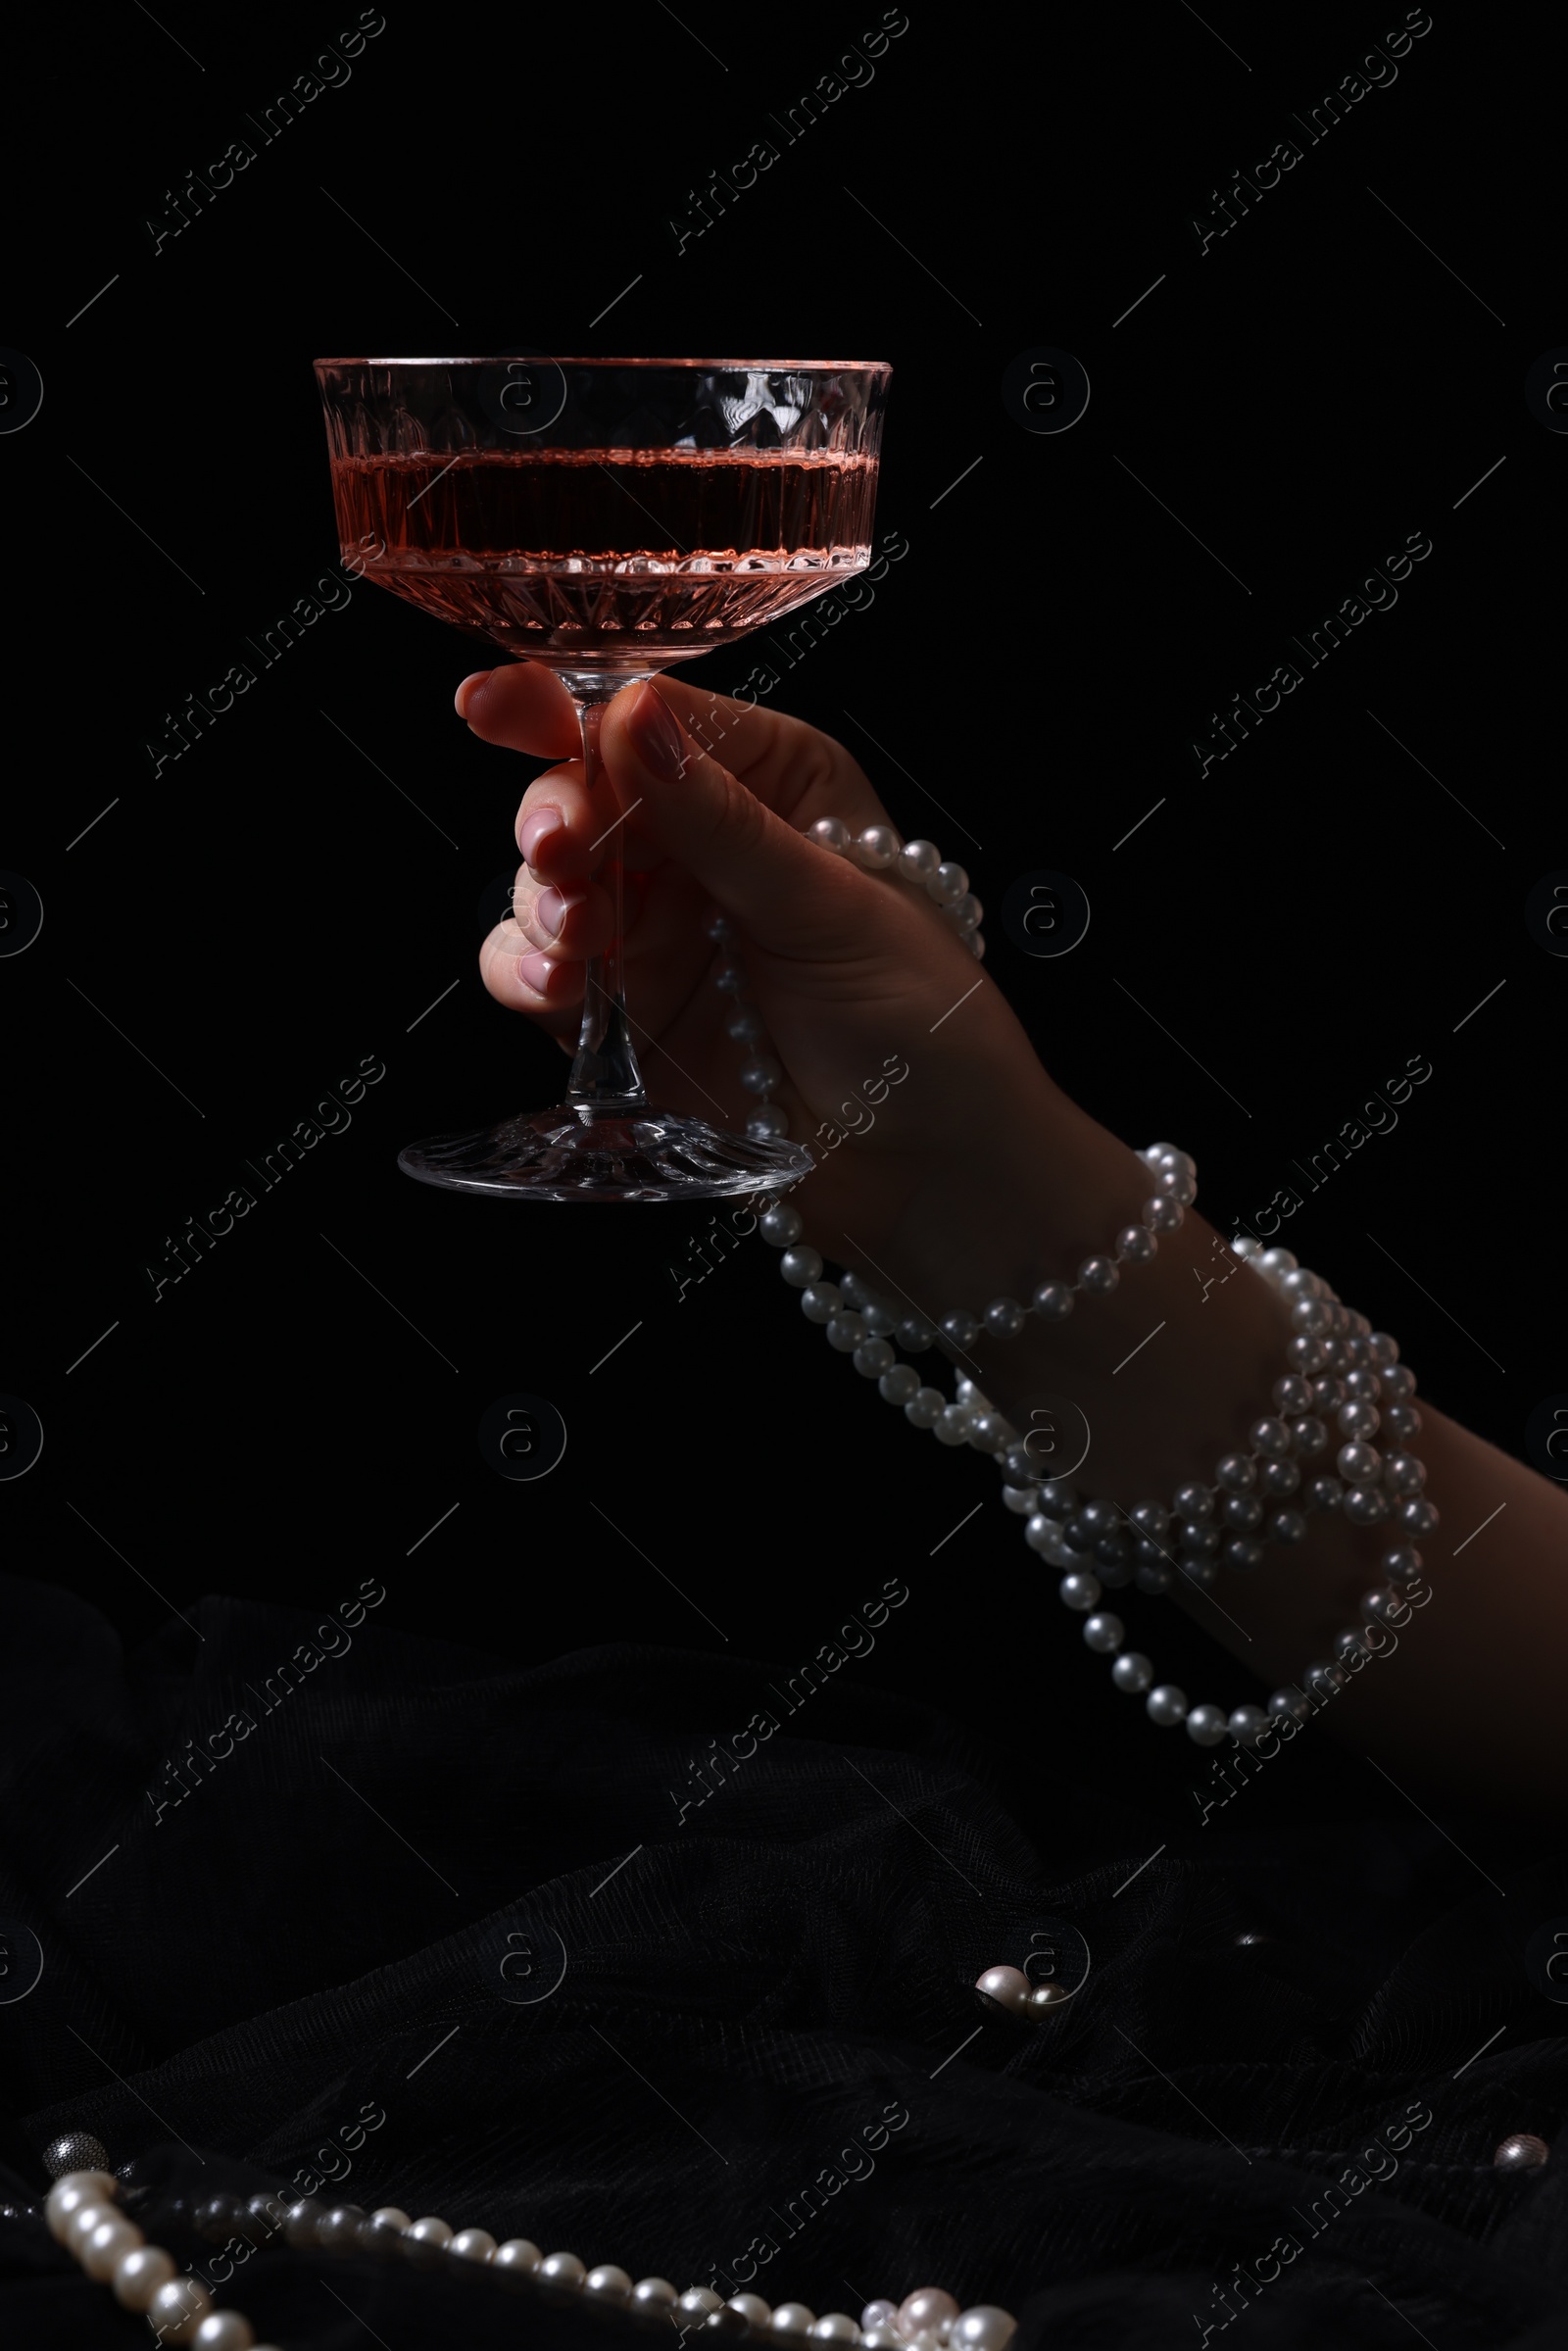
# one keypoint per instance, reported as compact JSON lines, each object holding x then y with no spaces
{"x":1170,"y":1370}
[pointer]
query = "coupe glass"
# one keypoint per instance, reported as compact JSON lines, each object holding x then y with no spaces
{"x":605,"y":518}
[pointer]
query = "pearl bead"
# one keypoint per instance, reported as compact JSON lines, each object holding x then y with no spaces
{"x":1306,"y":1354}
{"x":1353,"y":1642}
{"x":225,"y":2331}
{"x":431,"y":2230}
{"x":1243,"y":1553}
{"x":107,"y":2246}
{"x":1174,"y":1183}
{"x":882,"y":2338}
{"x":1164,"y":1215}
{"x":1247,"y":1725}
{"x":1288,"y":1525}
{"x":1105,"y":1633}
{"x":1385,"y":1606}
{"x":1078,"y":1592}
{"x":1364,"y":1386}
{"x":1310,"y":1317}
{"x":760,"y":1074}
{"x":845,"y":1332}
{"x":1235,"y":1471}
{"x":1324,"y":1493}
{"x":900,"y":1384}
{"x":801,"y":1268}
{"x":1004,"y":1318}
{"x":1279,"y":1478}
{"x":1052,"y":1302}
{"x":179,"y":2307}
{"x":1153,"y":1575}
{"x":948,"y":884}
{"x":388,"y":2216}
{"x":1132,"y":1672}
{"x":1523,"y":2152}
{"x":1271,"y":1437}
{"x":1194,"y":1502}
{"x":985,"y":2327}
{"x":1207,"y":1726}
{"x":965,"y":915}
{"x":1402,"y":1564}
{"x":744,"y":1026}
{"x":988,"y":1432}
{"x":880,"y":1319}
{"x":926,"y":2309}
{"x":1244,"y":1512}
{"x":752,"y":2308}
{"x":138,"y":2273}
{"x":1099,"y":1276}
{"x":952,"y":1425}
{"x":656,"y":2295}
{"x":1041,"y":1534}
{"x":916,"y":1335}
{"x":781,"y":1224}
{"x":830,"y":833}
{"x":1308,"y":1436}
{"x":606,"y":2284}
{"x":1136,"y":1244}
{"x":925,"y":1407}
{"x":474,"y":2244}
{"x":1404,"y":1473}
{"x":880,"y":2313}
{"x":1198,"y":1537}
{"x":1166,"y":1705}
{"x":519,"y":2258}
{"x":562,"y":2271}
{"x":1358,"y":1464}
{"x":1364,"y":1507}
{"x":1292,"y":1395}
{"x":877,"y":847}
{"x":792,"y":2318}
{"x":1020,"y":1500}
{"x":699,"y":2301}
{"x":1399,"y":1383}
{"x":729,"y":979}
{"x":961,"y":1328}
{"x":1359,"y":1420}
{"x":917,"y":859}
{"x":81,"y":2222}
{"x":836,"y":2327}
{"x":1200,"y":1572}
{"x":1293,"y":1702}
{"x":1418,"y":1517}
{"x":820,"y":1302}
{"x":1059,"y":1497}
{"x":768,"y":1124}
{"x":1325,"y":1681}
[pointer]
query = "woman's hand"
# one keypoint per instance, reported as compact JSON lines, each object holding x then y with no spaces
{"x":904,"y":1067}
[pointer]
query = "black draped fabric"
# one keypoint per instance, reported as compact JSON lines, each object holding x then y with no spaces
{"x":442,"y":1928}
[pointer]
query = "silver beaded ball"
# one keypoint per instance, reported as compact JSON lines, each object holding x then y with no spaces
{"x":75,"y":2151}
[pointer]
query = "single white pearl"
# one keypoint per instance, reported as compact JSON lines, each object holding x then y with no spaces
{"x":225,"y":2331}
{"x":139,"y":2275}
{"x":606,"y":2284}
{"x":653,"y":2294}
{"x":874,"y":1357}
{"x":923,"y":2311}
{"x":179,"y":2307}
{"x":925,"y":1408}
{"x":1009,"y":1987}
{"x":948,"y":884}
{"x":882,"y":2338}
{"x":390,"y":2216}
{"x":781,"y":1224}
{"x":837,"y":2328}
{"x":70,"y":2191}
{"x":952,"y":1425}
{"x":918,"y":859}
{"x":845,"y":1332}
{"x":820,"y":1302}
{"x":1020,"y":1500}
{"x":474,"y":2244}
{"x":108,"y":2246}
{"x":753,"y":2309}
{"x":792,"y":2318}
{"x":1105,"y":1633}
{"x":877,"y":847}
{"x":431,"y":2230}
{"x":880,"y":2313}
{"x":964,"y":913}
{"x":1132,"y":1672}
{"x":562,"y":2271}
{"x":517,"y":2258}
{"x":1166,"y":1705}
{"x":1207,"y":1726}
{"x":800,"y":1267}
{"x":985,"y":2327}
{"x":900,"y":1384}
{"x":830,"y":833}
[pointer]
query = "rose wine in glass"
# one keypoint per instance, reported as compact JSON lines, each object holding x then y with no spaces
{"x":607,"y":519}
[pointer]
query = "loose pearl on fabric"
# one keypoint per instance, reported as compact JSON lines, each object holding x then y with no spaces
{"x":1009,"y":1987}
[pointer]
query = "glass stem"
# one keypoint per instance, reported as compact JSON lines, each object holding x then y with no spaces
{"x":606,"y":1080}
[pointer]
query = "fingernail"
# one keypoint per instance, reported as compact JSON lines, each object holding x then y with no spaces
{"x":550,"y":909}
{"x":534,"y":972}
{"x":536,"y":828}
{"x":460,"y":698}
{"x":655,"y":736}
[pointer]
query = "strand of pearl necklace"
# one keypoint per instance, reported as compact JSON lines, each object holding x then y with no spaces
{"x":82,"y":2215}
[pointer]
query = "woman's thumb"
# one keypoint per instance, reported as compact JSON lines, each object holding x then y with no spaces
{"x":788,"y":893}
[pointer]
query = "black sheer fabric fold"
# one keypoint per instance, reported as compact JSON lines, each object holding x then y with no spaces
{"x":438,"y":1931}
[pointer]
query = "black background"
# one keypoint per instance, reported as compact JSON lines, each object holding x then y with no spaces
{"x":269,"y":909}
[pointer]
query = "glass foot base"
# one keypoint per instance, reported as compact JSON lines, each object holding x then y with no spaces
{"x":652,"y":1155}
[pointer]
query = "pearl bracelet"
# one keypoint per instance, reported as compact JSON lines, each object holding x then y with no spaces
{"x":82,"y":2215}
{"x":1338,"y":1365}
